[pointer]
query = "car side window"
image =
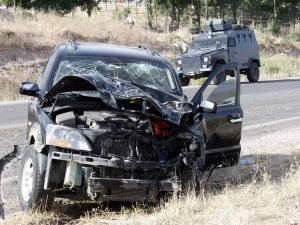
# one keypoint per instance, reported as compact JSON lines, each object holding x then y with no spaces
{"x":231,"y":42}
{"x":224,"y":94}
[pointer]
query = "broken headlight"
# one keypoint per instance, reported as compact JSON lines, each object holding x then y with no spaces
{"x":66,"y":137}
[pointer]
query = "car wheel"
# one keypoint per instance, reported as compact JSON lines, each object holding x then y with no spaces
{"x":253,"y":72}
{"x":221,"y":77}
{"x":184,"y":80}
{"x":31,"y":191}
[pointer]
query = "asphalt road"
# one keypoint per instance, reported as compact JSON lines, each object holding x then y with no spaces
{"x":274,"y":104}
{"x":271,"y":128}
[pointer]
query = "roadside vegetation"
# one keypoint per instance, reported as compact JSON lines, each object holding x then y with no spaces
{"x":265,"y":192}
{"x":27,"y":42}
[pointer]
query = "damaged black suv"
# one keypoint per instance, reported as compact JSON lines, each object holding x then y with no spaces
{"x":111,"y":123}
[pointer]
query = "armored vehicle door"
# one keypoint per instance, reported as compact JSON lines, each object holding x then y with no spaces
{"x":234,"y":52}
{"x":222,"y":126}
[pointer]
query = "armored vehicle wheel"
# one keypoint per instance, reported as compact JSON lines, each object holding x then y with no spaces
{"x":184,"y":80}
{"x":220,"y":78}
{"x":253,"y":72}
{"x":31,"y":191}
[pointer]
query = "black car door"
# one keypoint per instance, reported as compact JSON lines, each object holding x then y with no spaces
{"x":221,"y":129}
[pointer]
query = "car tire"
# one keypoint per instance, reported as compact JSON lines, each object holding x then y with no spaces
{"x":221,"y":77}
{"x":184,"y":80}
{"x":253,"y":72}
{"x":31,"y":191}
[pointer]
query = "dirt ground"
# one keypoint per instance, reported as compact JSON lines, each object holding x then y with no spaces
{"x":269,"y":159}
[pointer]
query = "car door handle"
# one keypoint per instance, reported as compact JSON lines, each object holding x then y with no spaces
{"x":238,"y":120}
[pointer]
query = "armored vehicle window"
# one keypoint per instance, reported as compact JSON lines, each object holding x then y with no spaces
{"x":238,"y":37}
{"x":209,"y":42}
{"x":231,"y":42}
{"x":150,"y":74}
{"x":225,"y":93}
{"x":244,"y":37}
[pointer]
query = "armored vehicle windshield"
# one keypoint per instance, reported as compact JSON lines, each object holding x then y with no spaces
{"x":206,"y":42}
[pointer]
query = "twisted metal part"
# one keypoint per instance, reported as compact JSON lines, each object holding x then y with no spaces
{"x":6,"y":162}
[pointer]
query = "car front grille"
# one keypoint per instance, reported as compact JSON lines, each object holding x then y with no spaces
{"x":191,"y":64}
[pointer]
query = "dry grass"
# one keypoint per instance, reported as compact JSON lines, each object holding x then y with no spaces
{"x":49,"y":29}
{"x":266,"y":192}
{"x":267,"y":203}
{"x":13,"y":73}
{"x":279,"y":66}
{"x":31,"y":38}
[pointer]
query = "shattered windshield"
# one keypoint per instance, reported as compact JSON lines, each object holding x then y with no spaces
{"x":150,"y":74}
{"x":209,"y":42}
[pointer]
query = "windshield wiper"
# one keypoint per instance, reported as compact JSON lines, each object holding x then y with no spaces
{"x":73,"y":94}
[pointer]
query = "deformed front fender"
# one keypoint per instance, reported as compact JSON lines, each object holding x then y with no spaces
{"x":36,"y":138}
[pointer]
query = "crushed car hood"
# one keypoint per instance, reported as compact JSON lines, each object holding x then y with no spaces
{"x":114,"y":92}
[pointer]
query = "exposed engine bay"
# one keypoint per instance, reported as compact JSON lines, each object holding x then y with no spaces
{"x":134,"y":157}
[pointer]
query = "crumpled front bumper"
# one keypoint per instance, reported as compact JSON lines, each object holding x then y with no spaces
{"x":170,"y":185}
{"x":96,"y":184}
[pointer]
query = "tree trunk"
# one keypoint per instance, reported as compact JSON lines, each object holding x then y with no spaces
{"x":149,"y":14}
{"x":234,"y":12}
{"x":166,"y":19}
{"x":198,"y":13}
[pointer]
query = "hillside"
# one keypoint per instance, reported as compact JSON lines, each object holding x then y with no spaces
{"x":264,"y":191}
{"x":26,"y":43}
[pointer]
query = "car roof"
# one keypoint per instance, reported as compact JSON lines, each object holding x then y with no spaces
{"x":105,"y":50}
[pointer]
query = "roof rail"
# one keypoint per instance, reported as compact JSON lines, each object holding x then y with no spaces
{"x":149,"y":49}
{"x":73,"y":43}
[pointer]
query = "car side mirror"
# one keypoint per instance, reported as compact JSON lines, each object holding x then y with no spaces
{"x":208,"y":106}
{"x":29,"y":88}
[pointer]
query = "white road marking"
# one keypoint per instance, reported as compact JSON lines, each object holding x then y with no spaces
{"x":20,"y":102}
{"x":7,"y":127}
{"x":257,"y":126}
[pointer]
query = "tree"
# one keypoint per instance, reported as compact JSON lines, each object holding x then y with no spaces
{"x":197,"y":7}
{"x":174,"y":8}
{"x":62,"y":7}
